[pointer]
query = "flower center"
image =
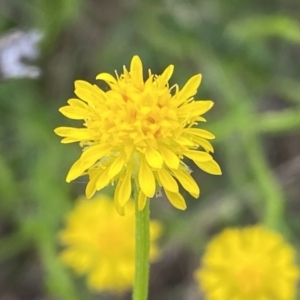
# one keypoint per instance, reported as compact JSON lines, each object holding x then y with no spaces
{"x":112,"y":241}
{"x":249,"y":279}
{"x":140,"y":117}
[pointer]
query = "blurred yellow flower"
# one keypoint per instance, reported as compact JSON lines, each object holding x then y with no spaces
{"x":100,"y":243}
{"x":248,"y":264}
{"x":139,"y":130}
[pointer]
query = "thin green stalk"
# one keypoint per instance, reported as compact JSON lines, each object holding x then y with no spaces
{"x":142,"y":244}
{"x":272,"y":193}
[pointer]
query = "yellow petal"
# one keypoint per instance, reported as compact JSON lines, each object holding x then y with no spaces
{"x":200,"y":132}
{"x":197,"y":155}
{"x":103,"y":180}
{"x":91,"y":186}
{"x":96,"y":152}
{"x":146,"y":179}
{"x":84,"y":90}
{"x":136,"y":70}
{"x":170,"y":158}
{"x":106,"y":77}
{"x":63,"y":131}
{"x":189,"y":89}
{"x":120,"y":210}
{"x":88,"y":158}
{"x":206,"y":145}
{"x":78,"y":134}
{"x":116,"y":166}
{"x":184,"y":141}
{"x":142,"y":199}
{"x":98,"y":95}
{"x":74,"y":113}
{"x":154,"y":158}
{"x":200,"y":119}
{"x":82,"y":84}
{"x":194,"y":109}
{"x":77,"y":169}
{"x":187,"y":181}
{"x":210,"y":167}
{"x":167,"y":181}
{"x":68,"y":140}
{"x":128,"y":150}
{"x":123,"y":189}
{"x":165,"y":76}
{"x":77,"y":103}
{"x":176,"y":200}
{"x":201,"y":106}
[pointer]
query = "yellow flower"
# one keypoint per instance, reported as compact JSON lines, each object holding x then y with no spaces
{"x":248,"y":264}
{"x":100,"y":243}
{"x":139,"y":130}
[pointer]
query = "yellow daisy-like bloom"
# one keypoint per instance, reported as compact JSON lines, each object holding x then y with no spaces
{"x":248,"y":264}
{"x":139,"y":130}
{"x":100,"y":243}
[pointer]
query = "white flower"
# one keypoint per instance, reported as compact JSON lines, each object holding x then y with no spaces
{"x":15,"y":48}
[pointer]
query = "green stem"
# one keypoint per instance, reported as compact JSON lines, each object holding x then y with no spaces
{"x":142,"y":238}
{"x":272,"y":193}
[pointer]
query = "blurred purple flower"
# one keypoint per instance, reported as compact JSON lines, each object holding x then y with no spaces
{"x":16,"y":48}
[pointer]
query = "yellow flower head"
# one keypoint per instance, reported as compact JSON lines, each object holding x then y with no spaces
{"x":248,"y":264}
{"x":100,"y":243}
{"x":139,"y":130}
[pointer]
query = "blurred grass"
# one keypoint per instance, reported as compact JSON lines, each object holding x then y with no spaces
{"x":248,"y":54}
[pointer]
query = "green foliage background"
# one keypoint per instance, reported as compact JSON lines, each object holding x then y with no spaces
{"x":249,"y":55}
